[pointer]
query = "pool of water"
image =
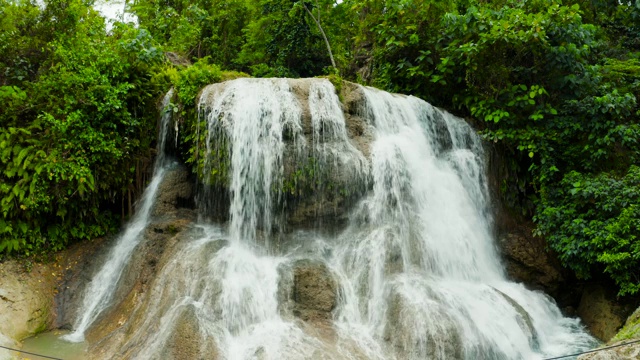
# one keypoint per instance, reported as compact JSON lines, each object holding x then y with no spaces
{"x":50,"y":344}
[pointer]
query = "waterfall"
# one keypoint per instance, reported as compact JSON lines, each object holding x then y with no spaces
{"x":99,"y":292}
{"x":412,"y":273}
{"x":421,"y":267}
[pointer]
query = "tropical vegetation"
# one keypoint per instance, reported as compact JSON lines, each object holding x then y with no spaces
{"x":552,"y":85}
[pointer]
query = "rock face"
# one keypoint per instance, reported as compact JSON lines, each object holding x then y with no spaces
{"x":29,"y":296}
{"x":314,"y":290}
{"x":445,"y":343}
{"x":631,"y":329}
{"x":527,"y":258}
{"x":175,"y":192}
{"x":26,"y":302}
{"x":113,"y":329}
{"x":528,"y":261}
{"x":601,"y":313}
{"x":628,"y":334}
{"x":322,"y":157}
{"x":186,"y":341}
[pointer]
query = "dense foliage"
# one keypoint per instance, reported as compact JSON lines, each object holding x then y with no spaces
{"x":553,"y":84}
{"x":78,"y":117}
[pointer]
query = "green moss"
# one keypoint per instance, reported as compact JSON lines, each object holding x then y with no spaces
{"x":42,"y":327}
{"x":631,"y":328}
{"x":232,"y":75}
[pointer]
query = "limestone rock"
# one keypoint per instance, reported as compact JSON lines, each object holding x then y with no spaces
{"x":26,"y":302}
{"x":176,"y":191}
{"x":314,"y":290}
{"x":5,"y":341}
{"x":600,"y":312}
{"x":445,"y":342}
{"x":629,"y":333}
{"x":631,"y":329}
{"x":529,"y":262}
{"x":186,"y":341}
{"x":629,"y":352}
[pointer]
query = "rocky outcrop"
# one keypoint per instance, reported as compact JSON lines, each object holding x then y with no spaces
{"x":320,"y":178}
{"x":113,"y":329}
{"x":629,"y":334}
{"x":30,"y":294}
{"x":528,"y":260}
{"x":26,"y":300}
{"x":601,"y":312}
{"x":314,"y":290}
{"x":324,"y":190}
{"x":631,"y":328}
{"x":186,"y":341}
{"x":175,"y":192}
{"x":439,"y":340}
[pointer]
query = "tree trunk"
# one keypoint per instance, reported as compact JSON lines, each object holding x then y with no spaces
{"x":324,"y":36}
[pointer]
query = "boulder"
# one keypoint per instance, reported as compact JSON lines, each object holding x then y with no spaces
{"x":527,"y":260}
{"x":631,"y":328}
{"x":440,"y":339}
{"x":176,"y":59}
{"x":176,"y":191}
{"x":26,"y":301}
{"x":314,"y":290}
{"x":628,"y":334}
{"x":601,"y":313}
{"x":186,"y":342}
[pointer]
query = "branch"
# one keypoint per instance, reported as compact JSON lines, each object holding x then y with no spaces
{"x":324,"y":36}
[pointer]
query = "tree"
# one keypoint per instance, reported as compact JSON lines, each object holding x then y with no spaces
{"x":316,"y":19}
{"x":80,"y":109}
{"x":280,"y":42}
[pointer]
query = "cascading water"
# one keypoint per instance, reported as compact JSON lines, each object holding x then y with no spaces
{"x":418,"y":263}
{"x":415,"y":268}
{"x":99,"y":292}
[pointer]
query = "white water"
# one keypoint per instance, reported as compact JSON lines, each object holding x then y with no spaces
{"x":99,"y":292}
{"x":331,"y":146}
{"x":421,"y":271}
{"x":418,"y":274}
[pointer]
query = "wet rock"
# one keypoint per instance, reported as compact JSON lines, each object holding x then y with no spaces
{"x":600,"y":312}
{"x":631,"y":328}
{"x":82,"y":261}
{"x":318,"y":186}
{"x":528,"y":261}
{"x":629,"y":352}
{"x":26,"y":300}
{"x":527,"y":258}
{"x":525,"y":322}
{"x":628,"y":334}
{"x":186,"y":341}
{"x":113,"y":328}
{"x":440,"y":341}
{"x":176,"y":191}
{"x":5,"y":341}
{"x":314,"y":290}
